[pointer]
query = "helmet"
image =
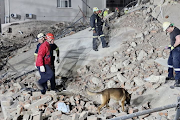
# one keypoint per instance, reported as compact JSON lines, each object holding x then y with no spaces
{"x":49,"y":35}
{"x":166,"y":25}
{"x":95,"y":9}
{"x":40,"y":35}
{"x":100,"y":11}
{"x":107,"y":9}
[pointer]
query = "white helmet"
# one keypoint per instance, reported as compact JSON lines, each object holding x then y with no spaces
{"x":166,"y":25}
{"x":107,"y":9}
{"x":95,"y":9}
{"x":40,"y":35}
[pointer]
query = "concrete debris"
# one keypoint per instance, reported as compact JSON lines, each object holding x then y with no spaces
{"x":132,"y":67}
{"x":26,"y":39}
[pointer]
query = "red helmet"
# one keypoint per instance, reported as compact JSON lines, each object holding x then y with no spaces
{"x":49,"y":35}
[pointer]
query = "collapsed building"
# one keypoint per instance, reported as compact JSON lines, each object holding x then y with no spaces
{"x":132,"y":66}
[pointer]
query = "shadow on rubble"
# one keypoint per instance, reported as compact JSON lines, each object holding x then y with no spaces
{"x":142,"y":100}
{"x":71,"y":62}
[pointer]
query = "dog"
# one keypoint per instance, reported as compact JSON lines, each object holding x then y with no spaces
{"x":118,"y":94}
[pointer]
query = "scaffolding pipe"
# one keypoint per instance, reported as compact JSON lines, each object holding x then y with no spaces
{"x":177,"y":117}
{"x":65,"y":31}
{"x":147,"y":112}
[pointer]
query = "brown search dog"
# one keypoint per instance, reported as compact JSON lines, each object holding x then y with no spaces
{"x":118,"y":94}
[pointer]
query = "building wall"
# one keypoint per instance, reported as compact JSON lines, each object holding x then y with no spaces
{"x":2,"y":11}
{"x":42,"y":10}
{"x":101,"y":4}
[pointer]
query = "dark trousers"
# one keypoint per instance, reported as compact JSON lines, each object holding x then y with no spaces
{"x":95,"y":39}
{"x":45,"y":76}
{"x":174,"y":64}
{"x":52,"y":80}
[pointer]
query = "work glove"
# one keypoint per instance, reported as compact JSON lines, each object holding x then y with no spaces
{"x":169,"y":47}
{"x":42,"y":69}
{"x":172,"y":48}
{"x":35,"y":66}
{"x":57,"y":60}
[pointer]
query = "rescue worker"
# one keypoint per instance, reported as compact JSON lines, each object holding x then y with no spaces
{"x":174,"y":57}
{"x":105,"y":13}
{"x":96,"y":24}
{"x":43,"y":64}
{"x":117,"y":12}
{"x":41,"y":39}
{"x":53,"y":47}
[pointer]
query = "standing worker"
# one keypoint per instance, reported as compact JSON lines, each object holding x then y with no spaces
{"x":174,"y":57}
{"x":105,"y":13}
{"x":41,"y":39}
{"x":43,"y":64}
{"x":53,"y":47}
{"x":96,"y":25}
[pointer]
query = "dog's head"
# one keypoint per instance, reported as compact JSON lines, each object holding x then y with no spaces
{"x":128,"y":98}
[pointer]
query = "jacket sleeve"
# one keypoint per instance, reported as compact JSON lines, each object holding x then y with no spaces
{"x":36,"y":52}
{"x":57,"y":50}
{"x":92,"y":22}
{"x":37,"y":48}
{"x":41,"y":54}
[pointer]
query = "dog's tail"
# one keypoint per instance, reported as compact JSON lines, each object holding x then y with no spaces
{"x":91,"y":93}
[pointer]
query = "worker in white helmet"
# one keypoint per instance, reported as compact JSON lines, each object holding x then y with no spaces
{"x":96,"y":24}
{"x":41,"y":39}
{"x":174,"y":57}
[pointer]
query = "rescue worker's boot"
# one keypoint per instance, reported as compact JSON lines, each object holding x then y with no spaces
{"x":45,"y":87}
{"x":104,"y":44}
{"x":170,"y":78}
{"x":95,"y":46}
{"x":177,"y":83}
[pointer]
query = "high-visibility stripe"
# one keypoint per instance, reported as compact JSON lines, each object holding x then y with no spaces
{"x":102,"y":35}
{"x":95,"y":36}
{"x":35,"y":54}
{"x":177,"y":69}
{"x":57,"y":49}
{"x":170,"y":66}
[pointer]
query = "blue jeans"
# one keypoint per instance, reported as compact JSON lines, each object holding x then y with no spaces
{"x":174,"y":63}
{"x":45,"y":76}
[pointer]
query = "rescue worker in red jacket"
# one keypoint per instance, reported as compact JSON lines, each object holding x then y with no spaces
{"x":43,"y":63}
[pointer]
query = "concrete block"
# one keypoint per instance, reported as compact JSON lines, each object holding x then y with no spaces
{"x":72,"y":101}
{"x":75,"y":116}
{"x":112,"y":112}
{"x":19,"y":109}
{"x":39,"y":102}
{"x":138,"y":81}
{"x":93,"y":117}
{"x":83,"y":115}
{"x":6,"y":101}
{"x":5,"y":112}
{"x":19,"y":85}
{"x":26,"y":117}
{"x":57,"y":113}
{"x":37,"y":116}
{"x":140,"y":90}
{"x":65,"y":117}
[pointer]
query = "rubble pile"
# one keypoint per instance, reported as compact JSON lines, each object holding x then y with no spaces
{"x":18,"y":35}
{"x":131,"y":67}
